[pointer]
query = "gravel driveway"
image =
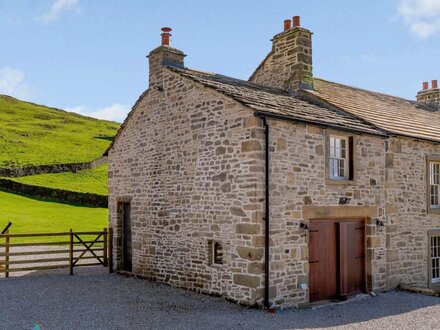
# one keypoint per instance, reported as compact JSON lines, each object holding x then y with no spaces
{"x":93,"y":299}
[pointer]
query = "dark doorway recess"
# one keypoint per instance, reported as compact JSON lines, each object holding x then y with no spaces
{"x":126,"y":238}
{"x":336,"y":259}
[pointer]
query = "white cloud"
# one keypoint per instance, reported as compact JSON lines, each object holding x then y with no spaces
{"x":422,"y":16}
{"x":116,"y":112}
{"x":57,"y":8}
{"x":12,"y":83}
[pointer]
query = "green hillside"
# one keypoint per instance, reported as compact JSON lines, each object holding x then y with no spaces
{"x":32,"y":134}
{"x":88,"y":181}
{"x":30,"y":215}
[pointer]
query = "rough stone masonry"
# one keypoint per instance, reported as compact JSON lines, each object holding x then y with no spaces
{"x":191,"y":162}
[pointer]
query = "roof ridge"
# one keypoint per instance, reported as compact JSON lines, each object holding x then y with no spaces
{"x":244,"y":82}
{"x":367,"y":90}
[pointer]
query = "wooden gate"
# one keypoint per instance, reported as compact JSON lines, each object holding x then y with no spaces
{"x":336,"y":259}
{"x":65,"y":250}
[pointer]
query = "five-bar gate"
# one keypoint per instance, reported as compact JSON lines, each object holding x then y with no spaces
{"x":43,"y":251}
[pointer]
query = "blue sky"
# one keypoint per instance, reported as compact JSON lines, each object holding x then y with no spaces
{"x":88,"y":56}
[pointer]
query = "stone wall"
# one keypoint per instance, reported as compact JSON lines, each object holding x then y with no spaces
{"x":52,"y":168}
{"x":408,"y":222}
{"x":191,"y":164}
{"x":299,"y":189}
{"x":289,"y":64}
{"x":54,"y":194}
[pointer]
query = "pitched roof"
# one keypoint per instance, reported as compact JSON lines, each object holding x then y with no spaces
{"x":392,"y":114}
{"x":273,"y":101}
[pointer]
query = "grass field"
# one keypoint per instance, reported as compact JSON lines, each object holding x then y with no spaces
{"x":34,"y":134}
{"x":31,"y":216}
{"x":88,"y":181}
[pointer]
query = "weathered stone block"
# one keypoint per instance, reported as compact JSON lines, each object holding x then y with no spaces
{"x":246,"y":280}
{"x":374,"y":242}
{"x":255,"y":268}
{"x":252,"y":145}
{"x":248,"y":228}
{"x":392,"y":255}
{"x":250,"y":253}
{"x":237,"y":211}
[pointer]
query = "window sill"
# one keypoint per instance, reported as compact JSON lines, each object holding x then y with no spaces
{"x":434,"y":210}
{"x":336,"y":182}
{"x":217,"y":266}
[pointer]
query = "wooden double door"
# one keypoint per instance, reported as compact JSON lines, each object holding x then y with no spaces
{"x":336,"y":259}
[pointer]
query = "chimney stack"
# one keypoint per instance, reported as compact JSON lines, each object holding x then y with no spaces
{"x":166,"y":36}
{"x":289,"y":65}
{"x":162,"y":56}
{"x":431,"y":95}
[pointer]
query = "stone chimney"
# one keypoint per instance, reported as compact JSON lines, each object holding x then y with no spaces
{"x":164,"y":55}
{"x":289,"y":64}
{"x":431,"y":95}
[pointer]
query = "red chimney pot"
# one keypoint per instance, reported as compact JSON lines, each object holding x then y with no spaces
{"x":287,"y":24}
{"x":425,"y":85}
{"x":166,"y":36}
{"x":434,"y":84}
{"x":296,"y":21}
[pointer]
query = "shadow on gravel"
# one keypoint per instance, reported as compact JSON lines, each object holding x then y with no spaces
{"x":93,"y":299}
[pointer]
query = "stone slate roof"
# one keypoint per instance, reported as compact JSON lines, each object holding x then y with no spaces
{"x":392,"y":114}
{"x":277,"y":102}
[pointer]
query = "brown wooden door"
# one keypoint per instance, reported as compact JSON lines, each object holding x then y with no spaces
{"x":352,"y":258}
{"x":323,"y":260}
{"x":336,"y":259}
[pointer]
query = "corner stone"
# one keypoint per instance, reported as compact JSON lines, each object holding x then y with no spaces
{"x":246,"y":280}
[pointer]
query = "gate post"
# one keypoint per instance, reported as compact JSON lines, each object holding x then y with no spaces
{"x":105,"y":247}
{"x":7,"y":254}
{"x":71,"y":251}
{"x":110,"y":250}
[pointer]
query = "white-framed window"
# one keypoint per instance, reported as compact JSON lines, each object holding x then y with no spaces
{"x":434,"y":184}
{"x":339,"y":157}
{"x":435,"y":259}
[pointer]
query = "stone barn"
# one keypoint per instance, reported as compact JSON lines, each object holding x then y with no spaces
{"x":278,"y":191}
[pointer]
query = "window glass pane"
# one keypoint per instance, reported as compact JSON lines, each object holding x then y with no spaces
{"x":338,"y":157}
{"x":434,"y":179}
{"x":341,"y":168}
{"x":435,"y":258}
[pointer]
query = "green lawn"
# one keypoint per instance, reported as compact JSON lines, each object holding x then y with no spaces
{"x":89,"y":181}
{"x":30,"y":216}
{"x":34,"y":134}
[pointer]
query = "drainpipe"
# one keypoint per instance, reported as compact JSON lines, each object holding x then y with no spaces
{"x":266,"y":217}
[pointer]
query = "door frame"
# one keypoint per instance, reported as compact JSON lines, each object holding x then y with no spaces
{"x":365,"y":221}
{"x":119,"y":230}
{"x":123,"y":247}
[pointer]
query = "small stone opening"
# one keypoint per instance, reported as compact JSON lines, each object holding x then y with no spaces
{"x":215,"y":252}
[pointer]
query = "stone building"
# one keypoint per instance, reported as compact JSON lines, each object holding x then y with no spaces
{"x":277,"y":191}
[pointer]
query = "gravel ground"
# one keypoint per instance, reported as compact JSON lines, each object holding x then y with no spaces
{"x":93,"y":299}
